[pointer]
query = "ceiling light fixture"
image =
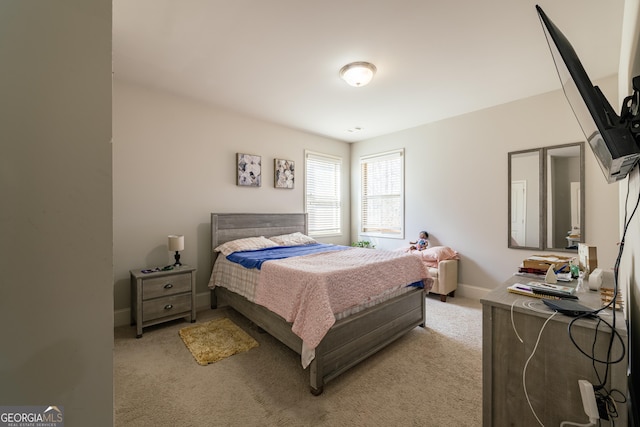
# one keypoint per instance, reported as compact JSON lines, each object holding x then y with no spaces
{"x":358,"y":73}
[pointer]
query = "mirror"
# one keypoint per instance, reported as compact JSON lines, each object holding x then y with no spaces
{"x":546,"y":203}
{"x":525,"y":169}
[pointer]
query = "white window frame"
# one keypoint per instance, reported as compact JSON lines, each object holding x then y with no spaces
{"x":332,"y":195}
{"x":368,"y":226}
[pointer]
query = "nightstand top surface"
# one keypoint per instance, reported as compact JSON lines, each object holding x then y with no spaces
{"x":175,"y":270}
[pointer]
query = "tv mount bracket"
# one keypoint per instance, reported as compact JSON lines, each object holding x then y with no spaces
{"x":630,"y":112}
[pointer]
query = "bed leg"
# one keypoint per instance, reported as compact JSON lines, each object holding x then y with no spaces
{"x":424,"y":310}
{"x":214,"y":300}
{"x":316,"y":383}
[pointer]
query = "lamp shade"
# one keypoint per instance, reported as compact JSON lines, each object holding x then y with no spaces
{"x":358,"y":73}
{"x":176,"y":243}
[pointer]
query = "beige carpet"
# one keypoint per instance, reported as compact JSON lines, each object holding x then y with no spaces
{"x":215,"y":340}
{"x":430,"y":377}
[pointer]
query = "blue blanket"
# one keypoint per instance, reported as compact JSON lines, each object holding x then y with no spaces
{"x":255,"y":258}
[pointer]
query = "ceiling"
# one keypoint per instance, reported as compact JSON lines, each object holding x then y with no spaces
{"x":278,"y":60}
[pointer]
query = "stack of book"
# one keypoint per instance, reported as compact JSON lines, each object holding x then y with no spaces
{"x":543,"y":290}
{"x":532,"y":271}
{"x":538,"y":265}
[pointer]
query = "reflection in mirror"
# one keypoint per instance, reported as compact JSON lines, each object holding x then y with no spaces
{"x":564,"y":167}
{"x":524,"y":199}
{"x":546,"y":203}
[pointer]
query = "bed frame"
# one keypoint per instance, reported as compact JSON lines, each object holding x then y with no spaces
{"x":351,"y":339}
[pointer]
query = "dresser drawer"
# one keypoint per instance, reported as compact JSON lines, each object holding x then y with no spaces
{"x":163,"y":286}
{"x":168,"y":306}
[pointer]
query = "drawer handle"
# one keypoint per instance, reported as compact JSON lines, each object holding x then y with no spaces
{"x":168,"y":306}
{"x":168,"y":286}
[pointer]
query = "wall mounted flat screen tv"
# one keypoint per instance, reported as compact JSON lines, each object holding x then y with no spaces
{"x":612,"y":139}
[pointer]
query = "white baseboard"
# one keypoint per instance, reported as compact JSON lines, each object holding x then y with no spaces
{"x":470,"y":291}
{"x":122,"y":317}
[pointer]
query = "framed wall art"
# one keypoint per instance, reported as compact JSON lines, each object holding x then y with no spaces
{"x":283,"y":173}
{"x":249,"y":170}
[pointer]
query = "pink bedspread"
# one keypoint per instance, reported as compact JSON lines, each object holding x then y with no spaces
{"x":308,"y":290}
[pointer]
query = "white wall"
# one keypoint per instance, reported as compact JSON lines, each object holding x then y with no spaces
{"x":174,"y":163}
{"x":630,"y":260}
{"x":456,"y":182}
{"x":56,"y":297}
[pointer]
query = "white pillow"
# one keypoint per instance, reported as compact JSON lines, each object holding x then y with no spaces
{"x":246,"y":244}
{"x":293,"y":239}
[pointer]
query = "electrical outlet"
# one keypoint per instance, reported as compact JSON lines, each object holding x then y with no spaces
{"x":591,"y":408}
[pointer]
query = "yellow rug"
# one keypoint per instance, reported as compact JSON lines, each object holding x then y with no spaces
{"x":216,"y":340}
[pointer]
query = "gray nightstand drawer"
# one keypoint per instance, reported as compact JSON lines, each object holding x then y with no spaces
{"x":163,"y":286}
{"x":168,"y":306}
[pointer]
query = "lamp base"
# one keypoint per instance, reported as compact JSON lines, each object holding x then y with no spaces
{"x":177,"y":257}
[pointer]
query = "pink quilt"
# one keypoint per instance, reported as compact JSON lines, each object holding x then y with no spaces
{"x":308,"y":290}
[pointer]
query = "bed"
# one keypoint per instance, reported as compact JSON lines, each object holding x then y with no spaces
{"x":350,"y":339}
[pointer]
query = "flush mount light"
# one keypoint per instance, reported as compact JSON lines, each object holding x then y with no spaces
{"x":358,"y":73}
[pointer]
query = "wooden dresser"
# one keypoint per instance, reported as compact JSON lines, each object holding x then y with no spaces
{"x":552,"y":373}
{"x":161,"y":296}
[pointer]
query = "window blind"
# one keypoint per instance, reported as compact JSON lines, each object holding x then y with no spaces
{"x":322,"y":194}
{"x":382,"y":208}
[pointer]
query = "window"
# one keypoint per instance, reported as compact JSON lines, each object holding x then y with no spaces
{"x":322,"y":193}
{"x":382,"y":209}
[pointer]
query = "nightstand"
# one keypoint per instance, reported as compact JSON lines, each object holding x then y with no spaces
{"x":161,"y":296}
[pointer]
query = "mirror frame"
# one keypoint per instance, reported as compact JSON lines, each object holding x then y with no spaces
{"x":543,"y":219}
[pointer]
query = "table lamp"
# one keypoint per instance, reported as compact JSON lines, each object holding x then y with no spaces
{"x":176,"y":243}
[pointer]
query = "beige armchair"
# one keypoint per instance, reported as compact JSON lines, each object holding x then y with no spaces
{"x":445,"y":278}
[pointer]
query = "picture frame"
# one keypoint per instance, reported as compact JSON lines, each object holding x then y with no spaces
{"x":283,"y":173}
{"x":249,"y":170}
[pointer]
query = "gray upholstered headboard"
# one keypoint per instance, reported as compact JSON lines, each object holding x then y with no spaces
{"x":231,"y":226}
